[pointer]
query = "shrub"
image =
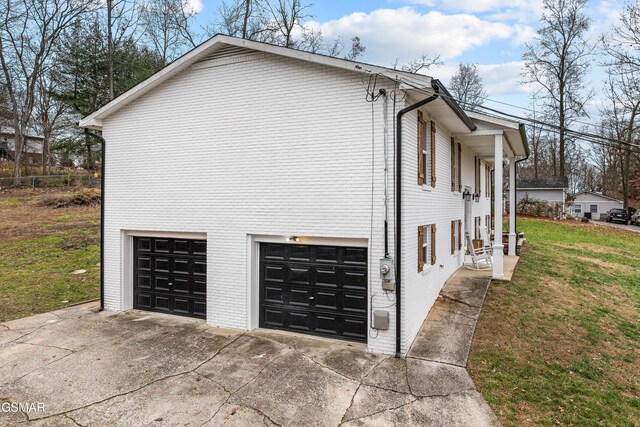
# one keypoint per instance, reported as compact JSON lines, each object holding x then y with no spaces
{"x":84,"y":197}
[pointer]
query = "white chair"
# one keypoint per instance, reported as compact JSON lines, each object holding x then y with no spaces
{"x":480,"y":258}
{"x":488,"y":244}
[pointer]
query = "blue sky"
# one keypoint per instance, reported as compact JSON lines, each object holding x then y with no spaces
{"x":491,"y":33}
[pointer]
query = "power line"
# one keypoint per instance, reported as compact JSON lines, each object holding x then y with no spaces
{"x":587,"y":137}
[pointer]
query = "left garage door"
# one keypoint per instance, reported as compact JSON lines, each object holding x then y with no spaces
{"x":170,"y":276}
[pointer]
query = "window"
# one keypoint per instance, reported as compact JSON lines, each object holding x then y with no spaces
{"x":426,"y":152}
{"x":456,"y":236}
{"x":426,"y":246}
{"x":487,"y":223}
{"x":456,"y":166}
{"x":577,"y":208}
{"x":593,"y":209}
{"x":477,"y":224}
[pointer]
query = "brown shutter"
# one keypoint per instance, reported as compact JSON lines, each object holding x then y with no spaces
{"x":421,"y":123}
{"x":460,"y":167}
{"x":433,"y":244}
{"x":453,"y":165}
{"x":459,"y":234}
{"x":453,"y":237}
{"x":420,"y":245}
{"x":433,"y":154}
{"x":475,"y":174}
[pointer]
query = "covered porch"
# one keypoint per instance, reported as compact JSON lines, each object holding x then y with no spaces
{"x":500,"y":143}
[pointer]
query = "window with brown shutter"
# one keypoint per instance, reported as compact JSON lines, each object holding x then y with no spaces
{"x":433,"y":154}
{"x":433,"y":244}
{"x":454,"y":162}
{"x":426,"y":246}
{"x":487,"y":223}
{"x":477,"y":227}
{"x":460,"y":167}
{"x":422,"y":149}
{"x":421,"y":251}
{"x":454,"y":226}
{"x":456,"y":236}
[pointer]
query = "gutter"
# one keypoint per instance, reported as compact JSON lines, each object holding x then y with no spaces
{"x":523,"y":135}
{"x":448,"y":99}
{"x":398,"y":219}
{"x":102,"y":147}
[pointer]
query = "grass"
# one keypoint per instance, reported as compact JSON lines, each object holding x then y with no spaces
{"x":560,"y":343}
{"x":40,"y":248}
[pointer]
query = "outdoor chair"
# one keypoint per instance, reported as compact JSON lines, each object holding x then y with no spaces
{"x":480,"y":258}
{"x":488,"y":244}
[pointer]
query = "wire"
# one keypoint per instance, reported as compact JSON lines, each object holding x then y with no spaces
{"x":587,"y":137}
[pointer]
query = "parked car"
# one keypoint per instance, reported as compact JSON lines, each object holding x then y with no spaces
{"x":618,"y":215}
{"x":635,"y":218}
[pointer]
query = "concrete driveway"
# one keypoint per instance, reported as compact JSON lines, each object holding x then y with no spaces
{"x":627,"y":227}
{"x":143,"y":369}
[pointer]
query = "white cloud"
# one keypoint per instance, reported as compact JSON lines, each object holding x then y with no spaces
{"x":511,"y":7}
{"x":405,"y":33}
{"x":498,"y":79}
{"x":195,"y":5}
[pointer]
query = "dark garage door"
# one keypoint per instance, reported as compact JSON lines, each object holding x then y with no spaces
{"x":170,"y":276}
{"x":320,"y":290}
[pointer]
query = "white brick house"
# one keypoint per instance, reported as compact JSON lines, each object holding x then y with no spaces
{"x":245,"y":183}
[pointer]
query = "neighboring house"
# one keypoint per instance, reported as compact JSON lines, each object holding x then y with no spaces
{"x":550,"y":189}
{"x":245,"y":184}
{"x":31,"y":151}
{"x":593,"y":205}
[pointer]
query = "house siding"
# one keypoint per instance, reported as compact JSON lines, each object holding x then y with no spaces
{"x":274,"y":147}
{"x":270,"y":147}
{"x":550,"y":196}
{"x":423,"y":205}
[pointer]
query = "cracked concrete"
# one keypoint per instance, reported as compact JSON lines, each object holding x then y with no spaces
{"x":143,"y":369}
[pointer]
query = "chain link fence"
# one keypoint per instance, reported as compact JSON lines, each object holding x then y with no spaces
{"x":52,"y":181}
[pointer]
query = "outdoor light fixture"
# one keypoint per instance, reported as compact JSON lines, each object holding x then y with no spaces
{"x":466,"y":195}
{"x":476,"y":197}
{"x":294,"y":239}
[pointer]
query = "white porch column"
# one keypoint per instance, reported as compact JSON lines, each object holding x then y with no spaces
{"x":512,"y":206}
{"x":498,"y":247}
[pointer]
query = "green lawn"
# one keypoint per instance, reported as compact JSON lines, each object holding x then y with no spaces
{"x":40,"y":248}
{"x":560,"y":344}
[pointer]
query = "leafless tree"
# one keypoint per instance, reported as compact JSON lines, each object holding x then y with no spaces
{"x":28,"y":31}
{"x":122,"y":21}
{"x":558,"y":62}
{"x":422,"y":63}
{"x":49,"y":110}
{"x":286,"y":17}
{"x":467,"y":86}
{"x":167,"y":27}
{"x":623,"y":88}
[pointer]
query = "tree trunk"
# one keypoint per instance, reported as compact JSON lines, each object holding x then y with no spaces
{"x":110,"y":48}
{"x":45,"y":154}
{"x":246,"y":18}
{"x":18,"y":147}
{"x":562,"y":130}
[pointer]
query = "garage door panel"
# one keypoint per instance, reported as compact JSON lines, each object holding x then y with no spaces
{"x":170,"y":275}
{"x":181,"y":266}
{"x":355,"y":256}
{"x":299,"y":296}
{"x":326,"y":300}
{"x":327,"y":254}
{"x":354,"y":303}
{"x":300,"y":253}
{"x":299,"y":275}
{"x":181,"y":285}
{"x":353,"y":279}
{"x":300,"y":291}
{"x":199,"y":288}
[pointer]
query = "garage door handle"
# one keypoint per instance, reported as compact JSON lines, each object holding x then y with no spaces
{"x":312,"y":298}
{"x":170,"y":284}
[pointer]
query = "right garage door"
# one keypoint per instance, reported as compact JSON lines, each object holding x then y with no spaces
{"x":319,"y":290}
